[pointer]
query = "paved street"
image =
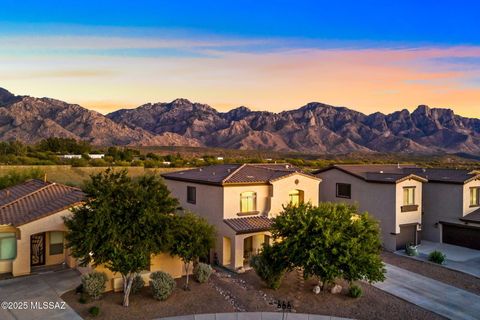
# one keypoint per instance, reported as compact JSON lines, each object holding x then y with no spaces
{"x":254,"y":316}
{"x":430,"y":294}
{"x":39,"y":288}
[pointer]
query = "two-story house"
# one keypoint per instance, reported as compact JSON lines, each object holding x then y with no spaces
{"x":451,"y":206}
{"x":389,"y":194}
{"x":240,"y":200}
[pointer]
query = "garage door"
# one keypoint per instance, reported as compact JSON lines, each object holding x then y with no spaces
{"x":461,"y":236}
{"x":407,"y":235}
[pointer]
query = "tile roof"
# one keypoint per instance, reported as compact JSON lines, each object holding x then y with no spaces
{"x":249,"y":224}
{"x":236,"y":173}
{"x":472,"y":217}
{"x":35,"y":199}
{"x":459,"y":176}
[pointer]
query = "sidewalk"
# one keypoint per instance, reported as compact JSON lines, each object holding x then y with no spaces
{"x":254,"y":316}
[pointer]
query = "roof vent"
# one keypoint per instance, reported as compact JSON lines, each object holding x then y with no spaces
{"x":381,"y":171}
{"x":200,"y":169}
{"x":181,"y":172}
{"x":213,"y":173}
{"x":229,"y":170}
{"x":424,"y":170}
{"x":287,"y":166}
{"x":250,"y":177}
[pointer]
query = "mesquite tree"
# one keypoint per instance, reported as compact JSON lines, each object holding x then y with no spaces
{"x":122,"y":223}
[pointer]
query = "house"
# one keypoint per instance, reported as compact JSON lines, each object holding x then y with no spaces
{"x":387,"y":192}
{"x":240,"y":200}
{"x":31,"y":225}
{"x":32,"y":232}
{"x":71,"y":156}
{"x":96,"y":155}
{"x":451,"y":206}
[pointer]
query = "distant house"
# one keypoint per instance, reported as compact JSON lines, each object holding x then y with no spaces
{"x":96,"y":155}
{"x":387,"y":192}
{"x":219,"y":158}
{"x":240,"y":200}
{"x":71,"y":156}
{"x":451,"y":206}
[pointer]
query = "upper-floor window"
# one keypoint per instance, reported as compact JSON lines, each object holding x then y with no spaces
{"x":56,"y":242}
{"x":248,"y":201}
{"x":475,"y":197}
{"x":344,"y":190}
{"x":191,"y":194}
{"x":8,"y":246}
{"x":295,"y":197}
{"x":408,"y":196}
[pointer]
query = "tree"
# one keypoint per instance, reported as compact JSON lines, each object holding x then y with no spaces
{"x":122,"y":223}
{"x":193,"y":238}
{"x":330,"y":241}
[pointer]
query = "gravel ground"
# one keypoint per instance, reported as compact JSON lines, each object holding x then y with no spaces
{"x":454,"y":278}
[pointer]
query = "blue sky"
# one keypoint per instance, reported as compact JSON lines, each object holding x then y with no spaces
{"x":228,"y":53}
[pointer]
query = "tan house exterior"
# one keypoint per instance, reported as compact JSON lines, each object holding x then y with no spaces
{"x":240,"y":200}
{"x":390,"y":195}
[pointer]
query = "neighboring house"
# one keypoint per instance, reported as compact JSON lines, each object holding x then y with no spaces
{"x":240,"y":200}
{"x":389,"y":194}
{"x":32,"y":232}
{"x":451,"y":205}
{"x":96,"y":155}
{"x":71,"y":156}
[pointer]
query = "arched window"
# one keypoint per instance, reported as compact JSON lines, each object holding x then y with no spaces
{"x":295,"y":197}
{"x":248,"y":201}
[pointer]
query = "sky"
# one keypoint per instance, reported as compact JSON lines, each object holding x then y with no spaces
{"x":267,"y":55}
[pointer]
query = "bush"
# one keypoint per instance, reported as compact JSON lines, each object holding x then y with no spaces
{"x":355,"y":291}
{"x":436,"y":257}
{"x":268,"y":267}
{"x":82,"y":299}
{"x":202,"y":272}
{"x":137,"y":284}
{"x":162,"y":285}
{"x":94,"y":284}
{"x":79,"y":289}
{"x":94,"y":311}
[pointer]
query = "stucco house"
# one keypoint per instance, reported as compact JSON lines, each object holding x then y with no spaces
{"x":387,"y":192}
{"x":451,"y":206}
{"x":240,"y":200}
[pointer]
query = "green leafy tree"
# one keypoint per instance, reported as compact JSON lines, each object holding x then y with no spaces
{"x":122,"y":223}
{"x":330,"y":241}
{"x":193,"y":238}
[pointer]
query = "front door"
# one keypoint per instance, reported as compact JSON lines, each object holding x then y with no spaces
{"x":37,"y":249}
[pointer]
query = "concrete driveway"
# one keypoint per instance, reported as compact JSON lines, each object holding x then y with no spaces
{"x":436,"y":296}
{"x":458,"y":258}
{"x":30,"y":294}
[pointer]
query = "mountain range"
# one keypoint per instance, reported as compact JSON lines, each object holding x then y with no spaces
{"x":313,"y":128}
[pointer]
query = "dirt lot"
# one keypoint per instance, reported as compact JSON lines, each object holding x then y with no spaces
{"x":448,"y":276}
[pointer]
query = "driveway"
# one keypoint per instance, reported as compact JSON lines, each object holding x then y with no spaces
{"x":31,"y":292}
{"x":458,"y":258}
{"x":430,"y":294}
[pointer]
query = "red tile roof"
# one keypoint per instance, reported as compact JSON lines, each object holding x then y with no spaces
{"x":249,"y":224}
{"x":35,"y":199}
{"x":236,"y":173}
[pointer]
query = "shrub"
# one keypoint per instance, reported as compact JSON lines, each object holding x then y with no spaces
{"x":436,"y":257}
{"x":94,"y":311}
{"x":94,"y":284}
{"x":202,"y":272}
{"x":162,"y":285}
{"x":268,"y":267}
{"x":355,"y":291}
{"x":82,"y":299}
{"x":137,"y":284}
{"x":79,"y":289}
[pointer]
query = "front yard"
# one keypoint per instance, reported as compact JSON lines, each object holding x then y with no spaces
{"x":226,"y":292}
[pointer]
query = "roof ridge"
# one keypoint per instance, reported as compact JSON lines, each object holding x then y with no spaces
{"x":28,"y":195}
{"x":233,"y":172}
{"x":259,"y":165}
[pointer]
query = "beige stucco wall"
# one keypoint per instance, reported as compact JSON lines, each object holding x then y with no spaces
{"x":378,"y":199}
{"x":466,"y":196}
{"x":231,"y":194}
{"x":54,"y":222}
{"x":410,"y":216}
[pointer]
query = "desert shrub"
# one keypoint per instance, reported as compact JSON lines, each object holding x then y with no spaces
{"x":162,"y":285}
{"x":436,"y":257}
{"x":355,"y":291}
{"x":268,"y":267}
{"x":94,"y":311}
{"x":137,"y":284}
{"x":79,"y":289}
{"x":94,"y":284}
{"x":83,"y":298}
{"x":202,"y":272}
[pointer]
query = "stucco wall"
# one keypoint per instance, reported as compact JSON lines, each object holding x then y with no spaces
{"x":466,"y":196}
{"x":410,"y":216}
{"x":376,"y":198}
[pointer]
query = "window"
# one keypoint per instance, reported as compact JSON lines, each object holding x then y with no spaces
{"x":295,"y":197}
{"x":56,"y":242}
{"x":344,"y":190}
{"x":248,"y":201}
{"x":8,"y":246}
{"x":191,"y":195}
{"x":475,"y":197}
{"x":408,"y":196}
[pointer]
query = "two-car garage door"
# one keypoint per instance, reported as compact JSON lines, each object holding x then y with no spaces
{"x":465,"y":236}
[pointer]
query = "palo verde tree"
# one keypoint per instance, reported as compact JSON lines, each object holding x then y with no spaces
{"x":193,"y":238}
{"x":330,"y":241}
{"x":122,"y":223}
